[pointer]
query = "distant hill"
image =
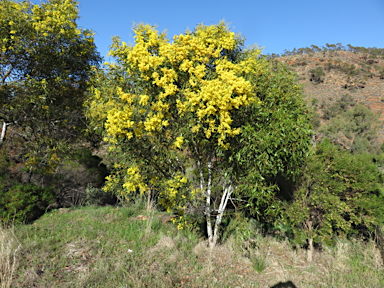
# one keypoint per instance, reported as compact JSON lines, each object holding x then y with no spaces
{"x":334,"y":71}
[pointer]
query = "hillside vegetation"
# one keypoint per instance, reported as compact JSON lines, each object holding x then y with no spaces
{"x":188,"y":161}
{"x":334,"y":72}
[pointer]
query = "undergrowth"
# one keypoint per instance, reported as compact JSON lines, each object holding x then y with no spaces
{"x":134,"y":246}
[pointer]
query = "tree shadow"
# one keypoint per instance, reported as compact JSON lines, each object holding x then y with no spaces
{"x":288,"y":284}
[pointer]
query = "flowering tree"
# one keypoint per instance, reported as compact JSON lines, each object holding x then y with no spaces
{"x":45,"y":60}
{"x":174,"y":113}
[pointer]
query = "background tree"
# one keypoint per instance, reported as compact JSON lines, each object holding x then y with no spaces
{"x":317,"y":75}
{"x":45,"y":64}
{"x":341,"y":194}
{"x":180,"y":116}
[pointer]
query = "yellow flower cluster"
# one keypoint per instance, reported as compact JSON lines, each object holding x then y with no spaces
{"x":113,"y":184}
{"x":52,"y":161}
{"x":169,"y":195}
{"x":179,"y":141}
{"x":190,"y":72}
{"x":118,"y":121}
{"x":55,"y":17}
{"x":134,"y":180}
{"x":48,"y":19}
{"x":182,"y":223}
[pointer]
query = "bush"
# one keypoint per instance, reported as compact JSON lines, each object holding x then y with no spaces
{"x":317,"y":75}
{"x":343,"y":104}
{"x":97,"y":196}
{"x":24,"y":203}
{"x":341,"y":194}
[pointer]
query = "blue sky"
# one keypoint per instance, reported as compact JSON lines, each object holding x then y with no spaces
{"x":274,"y":24}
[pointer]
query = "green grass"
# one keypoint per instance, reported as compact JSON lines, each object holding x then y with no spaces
{"x":109,"y":247}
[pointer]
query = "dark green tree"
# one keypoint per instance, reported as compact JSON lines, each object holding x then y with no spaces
{"x":341,"y":195}
{"x":317,"y":75}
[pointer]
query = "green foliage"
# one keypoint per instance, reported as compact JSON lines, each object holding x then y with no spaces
{"x":93,"y":164}
{"x":45,"y":65}
{"x":259,"y":262}
{"x":275,"y":140}
{"x":301,"y":62}
{"x":316,"y":120}
{"x":78,"y":178}
{"x":240,"y":228}
{"x":341,"y":194}
{"x":96,"y":196}
{"x":341,"y":106}
{"x":348,"y":69}
{"x":24,"y":203}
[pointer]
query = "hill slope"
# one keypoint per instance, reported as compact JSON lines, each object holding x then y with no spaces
{"x":329,"y":75}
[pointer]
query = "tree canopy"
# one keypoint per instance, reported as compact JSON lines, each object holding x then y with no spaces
{"x":196,"y":119}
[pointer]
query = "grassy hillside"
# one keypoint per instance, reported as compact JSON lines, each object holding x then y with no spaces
{"x":137,"y":247}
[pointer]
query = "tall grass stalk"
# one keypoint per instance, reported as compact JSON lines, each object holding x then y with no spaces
{"x":9,"y":248}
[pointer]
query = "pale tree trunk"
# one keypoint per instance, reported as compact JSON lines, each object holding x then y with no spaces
{"x":311,"y":249}
{"x":223,"y":204}
{"x":208,"y":205}
{"x":3,"y":130}
{"x":213,"y":232}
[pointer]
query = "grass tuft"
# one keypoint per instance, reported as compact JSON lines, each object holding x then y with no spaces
{"x":9,"y":253}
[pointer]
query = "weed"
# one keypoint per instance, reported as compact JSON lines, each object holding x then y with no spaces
{"x":259,"y":262}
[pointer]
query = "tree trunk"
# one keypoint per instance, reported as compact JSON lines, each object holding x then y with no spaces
{"x":310,"y":250}
{"x":223,"y":204}
{"x":4,"y":128}
{"x":208,"y":206}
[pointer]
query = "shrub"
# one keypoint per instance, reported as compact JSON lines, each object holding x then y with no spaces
{"x":73,"y":176}
{"x":354,"y":129}
{"x":317,"y":75}
{"x":24,"y":203}
{"x":97,"y":196}
{"x":341,"y":194}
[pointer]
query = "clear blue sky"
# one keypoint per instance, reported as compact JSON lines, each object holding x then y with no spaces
{"x":274,"y":24}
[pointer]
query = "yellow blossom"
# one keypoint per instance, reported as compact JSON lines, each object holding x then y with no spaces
{"x":179,"y":141}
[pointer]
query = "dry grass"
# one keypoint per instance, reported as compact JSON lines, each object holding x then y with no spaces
{"x":339,"y":266}
{"x":9,"y":249}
